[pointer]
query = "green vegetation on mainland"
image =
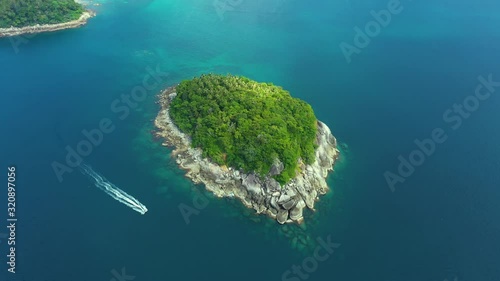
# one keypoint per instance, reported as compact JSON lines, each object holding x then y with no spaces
{"x":21,"y":13}
{"x":244,"y":124}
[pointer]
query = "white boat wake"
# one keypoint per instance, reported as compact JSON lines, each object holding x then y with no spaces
{"x":112,"y":190}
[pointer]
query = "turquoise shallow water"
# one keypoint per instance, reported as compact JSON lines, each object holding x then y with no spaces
{"x":441,"y":223}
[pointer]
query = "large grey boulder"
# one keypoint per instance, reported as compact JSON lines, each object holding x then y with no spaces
{"x":276,"y":168}
{"x":282,"y":216}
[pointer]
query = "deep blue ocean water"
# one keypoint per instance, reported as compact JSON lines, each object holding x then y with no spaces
{"x":442,"y":222}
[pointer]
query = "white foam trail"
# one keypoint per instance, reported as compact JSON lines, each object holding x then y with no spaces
{"x":112,"y":190}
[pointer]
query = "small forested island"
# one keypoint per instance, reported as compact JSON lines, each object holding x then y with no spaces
{"x":34,"y":16}
{"x":249,"y":140}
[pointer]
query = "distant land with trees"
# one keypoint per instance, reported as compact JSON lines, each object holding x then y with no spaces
{"x":22,"y":13}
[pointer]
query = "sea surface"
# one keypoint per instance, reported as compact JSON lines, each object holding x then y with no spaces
{"x":441,"y":223}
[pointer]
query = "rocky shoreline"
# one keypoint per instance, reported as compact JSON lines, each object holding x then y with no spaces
{"x":265,"y":196}
{"x":15,"y":31}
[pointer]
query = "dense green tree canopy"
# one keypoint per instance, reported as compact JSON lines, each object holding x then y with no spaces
{"x":245,"y":124}
{"x":20,"y":13}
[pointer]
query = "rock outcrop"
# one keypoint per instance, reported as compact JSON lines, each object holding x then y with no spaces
{"x":263,"y":194}
{"x":15,"y":31}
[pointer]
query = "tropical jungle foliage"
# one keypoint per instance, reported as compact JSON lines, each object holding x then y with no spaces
{"x":245,"y":124}
{"x":20,"y":13}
